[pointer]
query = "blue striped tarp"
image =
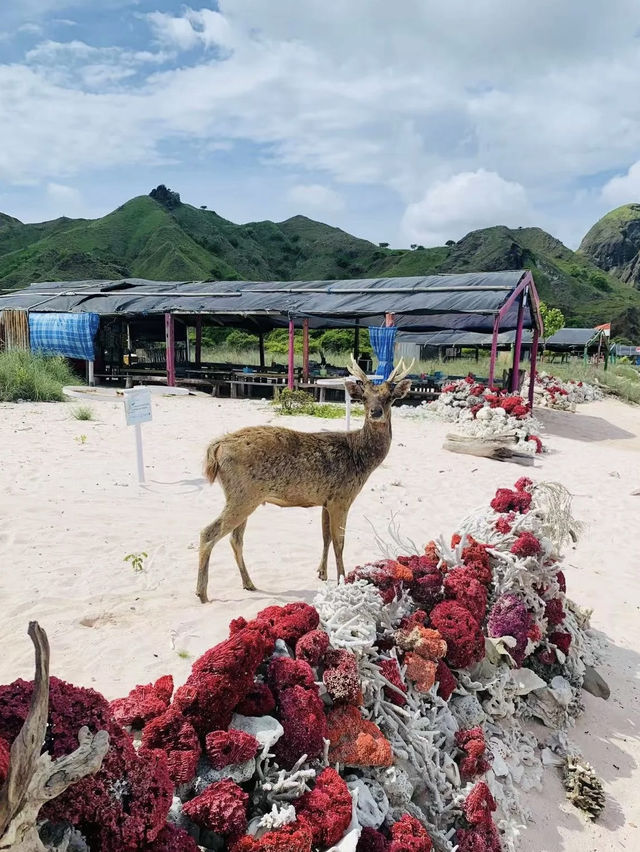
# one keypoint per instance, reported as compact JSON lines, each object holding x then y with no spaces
{"x":383,"y":341}
{"x":70,"y":335}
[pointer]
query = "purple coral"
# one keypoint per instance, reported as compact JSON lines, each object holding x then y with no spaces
{"x":509,"y":617}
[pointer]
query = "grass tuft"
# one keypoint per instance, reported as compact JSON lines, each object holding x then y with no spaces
{"x":32,"y":377}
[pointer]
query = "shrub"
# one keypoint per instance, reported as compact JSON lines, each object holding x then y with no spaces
{"x":241,"y":340}
{"x":82,"y":412}
{"x":33,"y":377}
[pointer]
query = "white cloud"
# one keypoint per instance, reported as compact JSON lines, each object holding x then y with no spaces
{"x":408,"y":97}
{"x":623,"y":189}
{"x":206,"y":28}
{"x":315,"y":198}
{"x":453,"y":207}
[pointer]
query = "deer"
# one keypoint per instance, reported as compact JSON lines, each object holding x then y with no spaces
{"x":269,"y":464}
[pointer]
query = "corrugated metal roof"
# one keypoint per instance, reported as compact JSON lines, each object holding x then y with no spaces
{"x":421,"y":303}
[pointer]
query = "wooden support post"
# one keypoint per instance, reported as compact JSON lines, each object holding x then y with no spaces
{"x":356,"y":341}
{"x":261,"y":346}
{"x":517,"y":349}
{"x":494,"y":351}
{"x":198,"y":342}
{"x":290,"y":381}
{"x":305,"y":350}
{"x":534,"y":361}
{"x":389,"y":320}
{"x":170,"y":340}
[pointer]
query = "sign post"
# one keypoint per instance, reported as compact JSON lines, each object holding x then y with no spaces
{"x":137,"y":410}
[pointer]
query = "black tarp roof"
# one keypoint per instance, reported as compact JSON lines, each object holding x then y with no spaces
{"x":570,"y":337}
{"x":461,"y":338}
{"x":426,"y":303}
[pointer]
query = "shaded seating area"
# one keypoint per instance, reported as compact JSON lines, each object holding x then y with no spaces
{"x":161,"y":313}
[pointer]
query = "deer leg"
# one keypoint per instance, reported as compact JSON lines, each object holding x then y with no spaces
{"x":338,"y":515}
{"x":230,"y":518}
{"x":326,"y":541}
{"x":237,"y":539}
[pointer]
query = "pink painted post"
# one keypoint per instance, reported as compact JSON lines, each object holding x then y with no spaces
{"x":389,"y":320}
{"x":305,"y":350}
{"x":494,"y":351}
{"x":170,"y":339}
{"x":534,"y":359}
{"x":290,"y":376}
{"x":515,"y":370}
{"x":198,"y":342}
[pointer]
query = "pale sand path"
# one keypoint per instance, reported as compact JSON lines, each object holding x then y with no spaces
{"x":71,"y":512}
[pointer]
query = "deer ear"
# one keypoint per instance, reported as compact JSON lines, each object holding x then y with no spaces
{"x":354,"y":389}
{"x":401,"y":389}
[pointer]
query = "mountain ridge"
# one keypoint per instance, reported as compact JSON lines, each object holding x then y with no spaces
{"x":157,"y":236}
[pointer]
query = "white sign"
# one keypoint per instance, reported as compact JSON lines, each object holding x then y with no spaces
{"x":137,"y":406}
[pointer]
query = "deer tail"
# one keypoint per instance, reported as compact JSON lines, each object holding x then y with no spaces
{"x":211,"y":462}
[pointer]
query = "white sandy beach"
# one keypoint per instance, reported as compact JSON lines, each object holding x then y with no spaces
{"x":72,"y":511}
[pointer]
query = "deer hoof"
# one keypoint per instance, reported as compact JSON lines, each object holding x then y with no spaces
{"x":203,"y":597}
{"x":249,"y":587}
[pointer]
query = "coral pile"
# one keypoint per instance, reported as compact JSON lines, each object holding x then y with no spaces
{"x":551,"y":392}
{"x":388,"y":717}
{"x":480,"y":411}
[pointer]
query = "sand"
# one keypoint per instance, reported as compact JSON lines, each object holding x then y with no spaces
{"x":72,"y":511}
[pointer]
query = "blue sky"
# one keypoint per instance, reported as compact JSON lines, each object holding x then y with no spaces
{"x":411,"y":122}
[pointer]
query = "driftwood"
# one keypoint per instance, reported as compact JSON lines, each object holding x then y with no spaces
{"x":35,"y":778}
{"x":498,"y":448}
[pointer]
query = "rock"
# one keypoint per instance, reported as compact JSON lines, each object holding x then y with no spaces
{"x":372,"y":802}
{"x":207,"y":775}
{"x":595,"y":684}
{"x":177,"y":816}
{"x":265,"y":729}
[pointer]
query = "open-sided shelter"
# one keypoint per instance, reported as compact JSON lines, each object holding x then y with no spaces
{"x":487,"y":302}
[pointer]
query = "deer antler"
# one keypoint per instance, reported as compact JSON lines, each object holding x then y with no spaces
{"x":400,"y":371}
{"x":356,"y":371}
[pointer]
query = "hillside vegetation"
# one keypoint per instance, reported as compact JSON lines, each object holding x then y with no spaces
{"x":159,"y":237}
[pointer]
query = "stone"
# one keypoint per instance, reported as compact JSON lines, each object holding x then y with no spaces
{"x":595,"y":684}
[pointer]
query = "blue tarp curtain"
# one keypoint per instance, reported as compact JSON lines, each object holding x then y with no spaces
{"x":383,"y":340}
{"x":70,"y":335}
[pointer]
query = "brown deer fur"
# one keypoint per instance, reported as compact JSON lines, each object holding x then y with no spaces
{"x":268,"y":464}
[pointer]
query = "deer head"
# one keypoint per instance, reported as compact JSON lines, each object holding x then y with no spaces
{"x":378,"y":399}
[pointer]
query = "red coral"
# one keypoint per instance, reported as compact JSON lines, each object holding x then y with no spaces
{"x":122,"y":806}
{"x":294,"y":837}
{"x":227,"y":748}
{"x":421,"y":672}
{"x":537,"y":441}
{"x":476,"y":557}
{"x":5,"y":757}
{"x":143,"y":702}
{"x":535,"y":633}
{"x":312,"y":647}
{"x":301,"y":714}
{"x":424,"y":641}
{"x":222,"y":676}
{"x":372,"y":840}
{"x":462,"y":585}
{"x":284,"y":673}
{"x":409,"y":835}
{"x":479,"y":805}
{"x":554,"y":611}
{"x":173,"y":839}
{"x":526,"y":545}
{"x":221,"y":808}
{"x":523,"y":483}
{"x":386,"y":574}
{"x":176,"y":736}
{"x":355,"y":741}
{"x":327,"y":809}
{"x":259,"y":701}
{"x":290,"y":622}
{"x":446,"y":681}
{"x":511,"y":501}
{"x":341,"y":677}
{"x":503,"y":526}
{"x":484,"y":838}
{"x":391,"y":672}
{"x":561,"y":640}
{"x":461,"y":632}
{"x":547,"y":657}
{"x":426,"y":585}
{"x":562,"y":582}
{"x":473,"y":744}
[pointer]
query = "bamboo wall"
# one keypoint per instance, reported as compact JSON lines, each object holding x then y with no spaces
{"x":14,"y":329}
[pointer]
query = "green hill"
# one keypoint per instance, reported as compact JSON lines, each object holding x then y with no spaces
{"x":159,"y":237}
{"x":613,"y":243}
